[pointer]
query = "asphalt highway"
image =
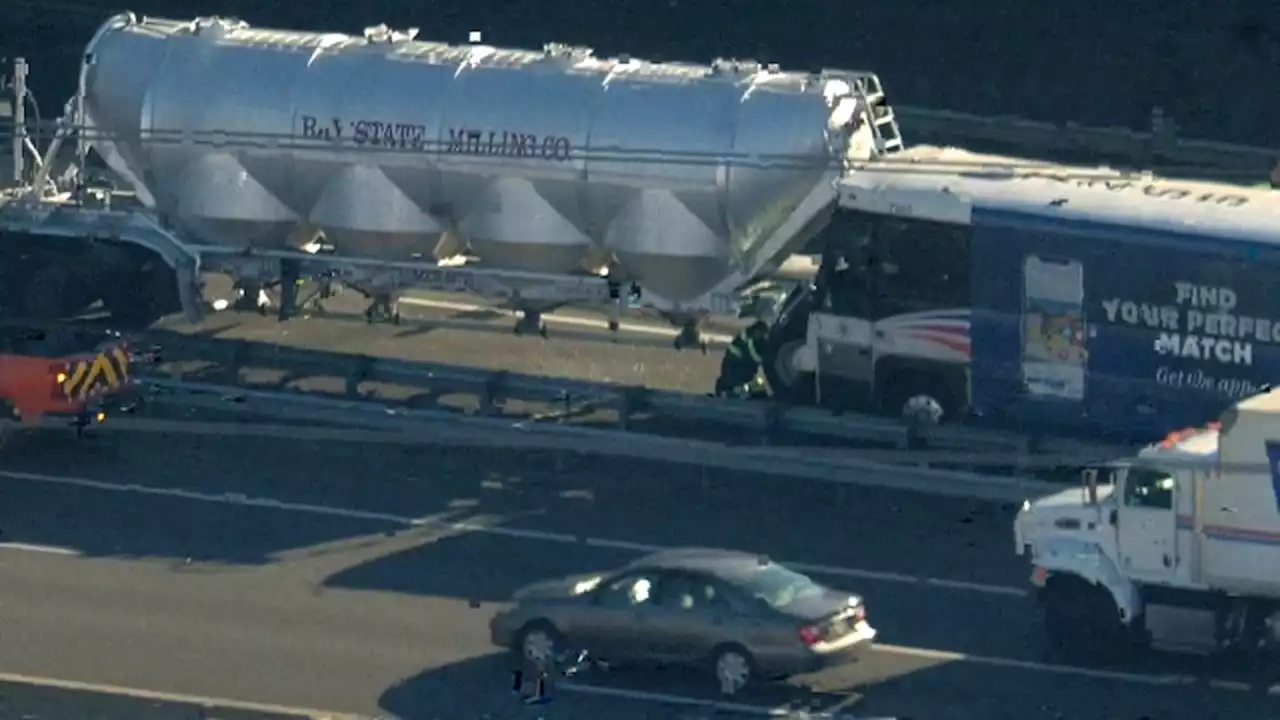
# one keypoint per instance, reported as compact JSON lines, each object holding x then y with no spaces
{"x":360,"y":580}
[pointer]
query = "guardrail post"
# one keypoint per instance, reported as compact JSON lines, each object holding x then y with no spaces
{"x":1034,"y":444}
{"x":1163,"y":136}
{"x":914,"y":439}
{"x":1026,"y":448}
{"x":491,"y":392}
{"x":630,"y":402}
{"x":773,"y":412}
{"x":237,"y":356}
{"x":358,"y":374}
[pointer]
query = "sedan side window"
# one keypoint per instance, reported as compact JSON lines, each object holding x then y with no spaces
{"x":630,"y":590}
{"x":692,"y":593}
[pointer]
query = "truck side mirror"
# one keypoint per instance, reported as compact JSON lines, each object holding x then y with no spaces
{"x":1114,"y":517}
{"x":1089,"y":481}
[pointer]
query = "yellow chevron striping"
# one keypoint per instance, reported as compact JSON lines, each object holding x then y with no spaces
{"x":85,"y":373}
{"x":77,"y":373}
{"x":122,"y":362}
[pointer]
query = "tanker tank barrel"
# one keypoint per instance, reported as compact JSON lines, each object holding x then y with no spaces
{"x":684,"y":180}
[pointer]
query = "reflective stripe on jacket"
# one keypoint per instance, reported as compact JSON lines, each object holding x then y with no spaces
{"x":745,"y":345}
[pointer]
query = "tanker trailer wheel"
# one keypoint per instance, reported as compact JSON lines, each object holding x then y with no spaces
{"x":788,"y":384}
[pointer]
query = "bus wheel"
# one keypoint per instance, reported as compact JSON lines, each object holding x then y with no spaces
{"x":913,"y":396}
{"x":787,"y":383}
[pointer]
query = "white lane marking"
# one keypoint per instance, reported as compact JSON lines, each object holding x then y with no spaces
{"x":1009,"y":663}
{"x":240,"y":499}
{"x":209,"y":702}
{"x":554,"y":318}
{"x":925,"y":653}
{"x":975,"y":587}
{"x":47,"y":549}
{"x":712,"y":705}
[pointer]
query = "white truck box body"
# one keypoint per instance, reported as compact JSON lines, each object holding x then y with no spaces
{"x":1239,"y":507}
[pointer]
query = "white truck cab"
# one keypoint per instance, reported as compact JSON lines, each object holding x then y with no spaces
{"x":1178,"y":547}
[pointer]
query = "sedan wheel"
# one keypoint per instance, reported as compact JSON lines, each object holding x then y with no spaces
{"x":733,"y":670}
{"x":539,"y":645}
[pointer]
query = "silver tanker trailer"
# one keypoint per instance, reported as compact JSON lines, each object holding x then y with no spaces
{"x":564,"y":177}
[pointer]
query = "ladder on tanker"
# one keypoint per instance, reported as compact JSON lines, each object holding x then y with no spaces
{"x":884,"y":123}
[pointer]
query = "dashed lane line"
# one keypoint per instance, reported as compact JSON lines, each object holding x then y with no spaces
{"x":47,"y":549}
{"x":157,"y":696}
{"x":242,"y":500}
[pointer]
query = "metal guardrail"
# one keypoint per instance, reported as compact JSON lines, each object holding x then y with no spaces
{"x":372,"y":422}
{"x":1156,"y":149}
{"x":767,"y":423}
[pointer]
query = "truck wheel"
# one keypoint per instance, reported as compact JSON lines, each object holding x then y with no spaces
{"x":788,"y":384}
{"x":140,"y":297}
{"x":1082,"y":621}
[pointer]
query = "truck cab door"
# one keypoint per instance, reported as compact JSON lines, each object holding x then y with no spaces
{"x":1146,"y":524}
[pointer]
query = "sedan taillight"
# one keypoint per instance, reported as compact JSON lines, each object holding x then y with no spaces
{"x":810,"y":635}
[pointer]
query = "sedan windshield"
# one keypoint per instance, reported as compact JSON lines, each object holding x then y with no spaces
{"x":779,"y":587}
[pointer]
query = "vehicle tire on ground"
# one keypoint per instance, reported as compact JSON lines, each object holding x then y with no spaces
{"x":787,"y":384}
{"x":1082,"y":621}
{"x":733,"y":669}
{"x":539,"y":644}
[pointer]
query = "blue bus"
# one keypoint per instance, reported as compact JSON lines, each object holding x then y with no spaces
{"x":1048,"y":297}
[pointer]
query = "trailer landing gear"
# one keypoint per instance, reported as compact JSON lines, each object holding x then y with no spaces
{"x":530,"y":323}
{"x":251,"y":297}
{"x":690,"y":337}
{"x":383,"y":309}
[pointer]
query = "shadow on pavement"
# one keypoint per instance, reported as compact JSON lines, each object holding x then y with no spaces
{"x":486,"y":690}
{"x":195,"y":495}
{"x":474,"y":688}
{"x":883,"y":686}
{"x":477,"y":567}
{"x":187,"y":508}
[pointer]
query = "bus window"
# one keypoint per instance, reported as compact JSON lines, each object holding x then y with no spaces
{"x":919,"y":266}
{"x":843,"y":279}
{"x":848,"y":287}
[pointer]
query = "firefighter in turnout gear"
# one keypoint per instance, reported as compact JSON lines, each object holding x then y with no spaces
{"x":740,"y":368}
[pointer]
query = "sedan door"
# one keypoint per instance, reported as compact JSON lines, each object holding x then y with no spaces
{"x":609,"y":626}
{"x":692,"y":616}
